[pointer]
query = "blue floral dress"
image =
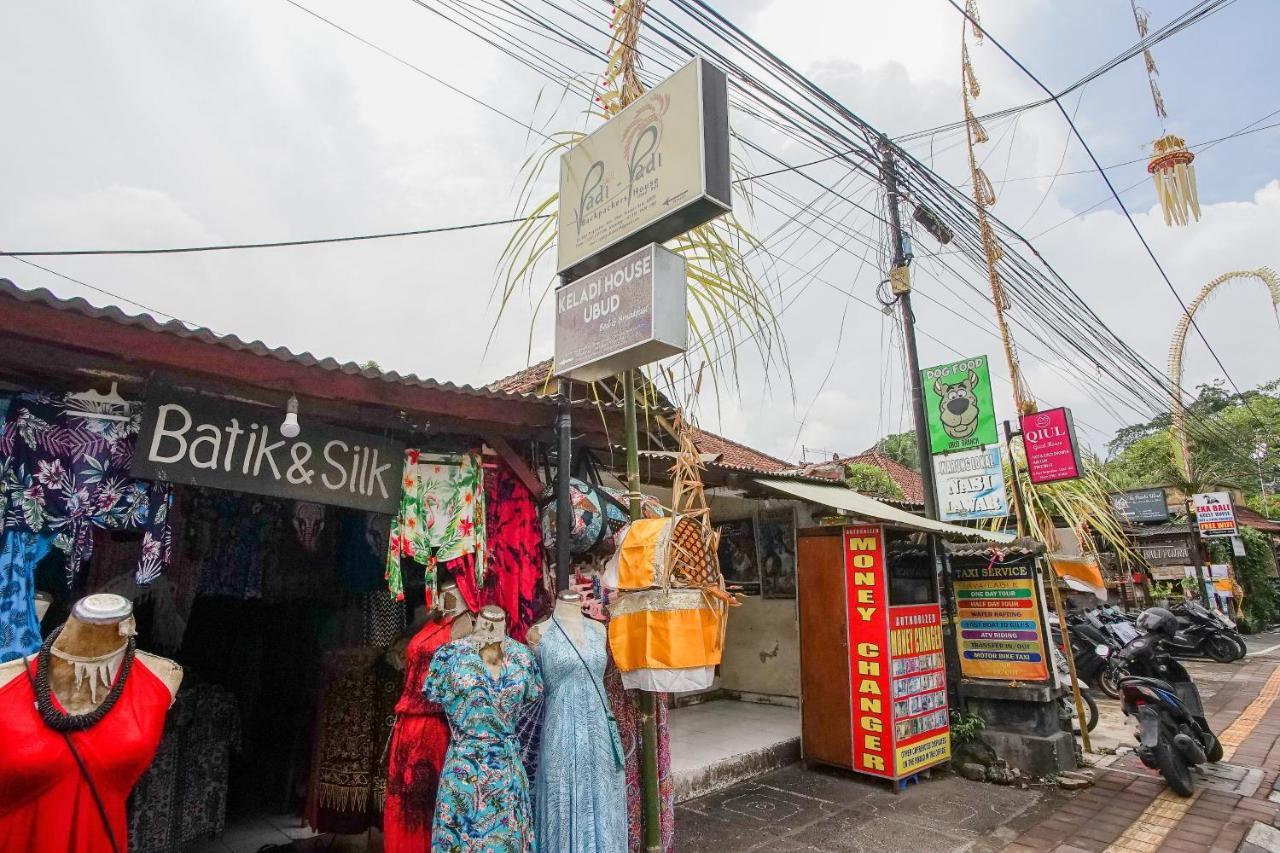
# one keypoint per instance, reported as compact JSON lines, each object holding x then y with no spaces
{"x":483,"y":800}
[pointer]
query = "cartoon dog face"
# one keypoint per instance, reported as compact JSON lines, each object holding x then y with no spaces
{"x":958,"y":406}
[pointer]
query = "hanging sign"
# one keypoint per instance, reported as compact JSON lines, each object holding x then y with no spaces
{"x":1237,"y":547}
{"x":896,"y":668}
{"x":623,"y":315}
{"x":958,"y":403}
{"x":1142,"y":505}
{"x":208,"y":441}
{"x":1001,"y":633}
{"x":1050,"y":440}
{"x":1215,"y":514}
{"x":657,"y":169}
{"x":1172,"y":573}
{"x":971,"y":484}
{"x":1171,"y":550}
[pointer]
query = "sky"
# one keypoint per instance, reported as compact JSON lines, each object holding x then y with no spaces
{"x":151,"y":124}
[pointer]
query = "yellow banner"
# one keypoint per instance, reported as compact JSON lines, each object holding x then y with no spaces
{"x":922,"y":754}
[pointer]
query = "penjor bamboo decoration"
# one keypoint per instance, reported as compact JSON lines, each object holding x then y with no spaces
{"x":1171,"y":164}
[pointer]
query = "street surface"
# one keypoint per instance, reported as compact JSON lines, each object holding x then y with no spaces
{"x":1128,"y":809}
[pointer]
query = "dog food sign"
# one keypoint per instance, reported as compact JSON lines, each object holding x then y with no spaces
{"x":957,"y":401}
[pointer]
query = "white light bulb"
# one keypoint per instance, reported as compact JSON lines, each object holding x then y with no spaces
{"x":290,"y":428}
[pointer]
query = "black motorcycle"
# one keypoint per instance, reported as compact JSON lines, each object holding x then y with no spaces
{"x":1090,"y":648}
{"x":1206,"y":632}
{"x":1173,"y":734}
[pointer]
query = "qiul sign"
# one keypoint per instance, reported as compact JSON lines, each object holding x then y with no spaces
{"x":205,"y":441}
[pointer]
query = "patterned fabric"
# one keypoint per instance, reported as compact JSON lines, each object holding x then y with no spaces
{"x":441,"y":518}
{"x":243,"y":533}
{"x":513,"y":576}
{"x":361,"y":550}
{"x":483,"y":801}
{"x":624,"y":708}
{"x":345,"y":751}
{"x":581,"y":791}
{"x":417,"y":750}
{"x":19,"y":627}
{"x":66,"y":473}
{"x":384,"y":619}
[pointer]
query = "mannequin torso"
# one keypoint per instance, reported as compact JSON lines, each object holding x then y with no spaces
{"x":568,"y":612}
{"x":489,"y":632}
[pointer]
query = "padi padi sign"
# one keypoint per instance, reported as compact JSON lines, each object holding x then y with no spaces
{"x":206,"y":441}
{"x":657,"y":169}
{"x":624,"y":315}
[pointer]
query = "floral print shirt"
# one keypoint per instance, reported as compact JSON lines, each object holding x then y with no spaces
{"x":441,"y":518}
{"x":64,"y":473}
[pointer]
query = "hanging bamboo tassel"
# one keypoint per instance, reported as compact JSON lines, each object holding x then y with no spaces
{"x":1174,"y":177}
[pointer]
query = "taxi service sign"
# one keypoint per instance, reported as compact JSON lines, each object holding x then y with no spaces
{"x":1001,"y":635}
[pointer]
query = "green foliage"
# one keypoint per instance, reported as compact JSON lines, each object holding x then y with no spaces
{"x":1163,"y":589}
{"x":901,"y":447}
{"x":870,"y":480}
{"x":1254,"y":572}
{"x":965,"y":727}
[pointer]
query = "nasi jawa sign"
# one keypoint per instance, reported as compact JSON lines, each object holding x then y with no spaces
{"x":623,"y":315}
{"x":205,"y":441}
{"x":655,"y":170}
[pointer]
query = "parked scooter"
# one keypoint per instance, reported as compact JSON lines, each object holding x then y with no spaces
{"x":1173,"y":734}
{"x":1090,"y":647}
{"x":1068,"y":702}
{"x":1204,"y":631}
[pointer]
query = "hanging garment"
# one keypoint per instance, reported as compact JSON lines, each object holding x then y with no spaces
{"x":441,"y":518}
{"x":244,"y":533}
{"x":418,"y":748}
{"x":66,"y":473}
{"x":513,"y":577}
{"x":46,"y":805}
{"x":361,"y":550}
{"x":623,"y":704}
{"x":483,"y":800}
{"x":19,"y":627}
{"x":340,"y":797}
{"x":581,"y":789}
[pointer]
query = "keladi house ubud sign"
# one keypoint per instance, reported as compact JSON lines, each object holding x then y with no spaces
{"x":1050,"y":441}
{"x":896,"y":668}
{"x":657,"y":169}
{"x":957,"y":401}
{"x":623,"y":315}
{"x":205,"y":441}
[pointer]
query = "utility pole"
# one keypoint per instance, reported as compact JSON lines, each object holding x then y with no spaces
{"x":1193,"y":527}
{"x":900,"y":281}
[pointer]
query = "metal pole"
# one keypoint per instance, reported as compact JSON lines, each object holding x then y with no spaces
{"x":564,"y":509}
{"x":890,"y":175}
{"x":1201,"y":580}
{"x":652,"y":802}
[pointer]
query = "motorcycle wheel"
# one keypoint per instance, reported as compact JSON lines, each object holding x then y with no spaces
{"x":1222,"y":649}
{"x":1173,"y":767}
{"x":1244,"y":650}
{"x":1109,"y":681}
{"x":1214,"y":753}
{"x":1090,"y":708}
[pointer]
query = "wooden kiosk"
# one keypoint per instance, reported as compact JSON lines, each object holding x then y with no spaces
{"x":873,"y":674}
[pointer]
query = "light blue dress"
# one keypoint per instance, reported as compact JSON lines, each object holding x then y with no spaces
{"x":580,"y":800}
{"x":483,"y":800}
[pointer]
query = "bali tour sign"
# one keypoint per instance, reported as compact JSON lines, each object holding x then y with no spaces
{"x":971,"y":484}
{"x":1050,"y":441}
{"x":1215,"y":514}
{"x":957,"y":400}
{"x":657,"y":169}
{"x":207,"y":441}
{"x":624,"y":315}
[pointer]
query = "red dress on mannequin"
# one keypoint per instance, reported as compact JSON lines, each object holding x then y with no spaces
{"x":45,"y":804}
{"x":418,"y":747}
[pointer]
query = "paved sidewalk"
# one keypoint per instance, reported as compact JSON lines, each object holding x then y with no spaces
{"x":1131,"y":809}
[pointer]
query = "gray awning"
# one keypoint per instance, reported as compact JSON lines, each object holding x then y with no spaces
{"x":842,"y":497}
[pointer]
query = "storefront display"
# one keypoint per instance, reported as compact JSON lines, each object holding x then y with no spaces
{"x":70,"y":764}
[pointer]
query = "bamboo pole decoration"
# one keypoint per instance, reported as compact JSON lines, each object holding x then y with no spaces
{"x":1177,"y":346}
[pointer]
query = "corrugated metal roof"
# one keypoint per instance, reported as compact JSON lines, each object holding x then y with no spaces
{"x":76,"y":305}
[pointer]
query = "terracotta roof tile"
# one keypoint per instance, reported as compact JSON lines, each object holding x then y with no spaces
{"x":735,"y":455}
{"x":907,"y":480}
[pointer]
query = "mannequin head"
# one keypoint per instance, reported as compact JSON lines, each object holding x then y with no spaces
{"x":98,"y":629}
{"x":450,"y":601}
{"x":491,"y":626}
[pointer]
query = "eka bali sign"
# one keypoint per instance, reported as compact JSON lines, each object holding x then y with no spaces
{"x":652,"y":172}
{"x":896,"y":668}
{"x":623,"y":315}
{"x":1215,"y":514}
{"x":1050,"y":441}
{"x":971,"y":484}
{"x":1001,"y":633}
{"x":204,"y":441}
{"x":958,"y":403}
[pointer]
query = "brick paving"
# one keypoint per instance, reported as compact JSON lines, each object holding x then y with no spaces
{"x":1131,"y":809}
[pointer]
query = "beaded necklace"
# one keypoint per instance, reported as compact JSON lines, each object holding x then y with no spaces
{"x":61,"y":721}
